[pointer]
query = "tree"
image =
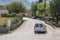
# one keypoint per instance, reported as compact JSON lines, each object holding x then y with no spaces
{"x":33,"y":9}
{"x":16,"y":7}
{"x":41,"y":9}
{"x":48,"y":14}
{"x":55,"y":10}
{"x":40,"y":1}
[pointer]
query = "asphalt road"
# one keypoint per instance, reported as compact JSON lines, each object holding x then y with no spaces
{"x":26,"y":32}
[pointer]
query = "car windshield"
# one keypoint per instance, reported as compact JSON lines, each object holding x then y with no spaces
{"x":41,"y":25}
{"x":36,"y":25}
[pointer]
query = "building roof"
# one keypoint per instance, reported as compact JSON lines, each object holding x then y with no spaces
{"x":2,"y":7}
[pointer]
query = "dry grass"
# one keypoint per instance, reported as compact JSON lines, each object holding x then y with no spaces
{"x":3,"y":21}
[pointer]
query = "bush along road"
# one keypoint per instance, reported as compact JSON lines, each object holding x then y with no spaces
{"x":26,"y":32}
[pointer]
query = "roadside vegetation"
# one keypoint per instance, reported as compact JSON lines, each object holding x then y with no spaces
{"x":49,"y":12}
{"x":16,"y":7}
{"x":16,"y":10}
{"x":3,"y":21}
{"x":14,"y":19}
{"x":40,"y":10}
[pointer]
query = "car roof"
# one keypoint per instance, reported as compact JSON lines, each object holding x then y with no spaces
{"x":39,"y":23}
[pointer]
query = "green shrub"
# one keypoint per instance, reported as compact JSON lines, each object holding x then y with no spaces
{"x":8,"y":15}
{"x":4,"y":15}
{"x":12,"y":15}
{"x":15,"y":18}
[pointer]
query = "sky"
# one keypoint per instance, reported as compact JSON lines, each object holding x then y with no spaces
{"x":27,"y":3}
{"x":32,"y":0}
{"x":3,"y":2}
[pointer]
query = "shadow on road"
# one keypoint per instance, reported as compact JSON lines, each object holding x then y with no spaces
{"x":41,"y":33}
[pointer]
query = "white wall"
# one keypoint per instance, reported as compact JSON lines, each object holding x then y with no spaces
{"x":4,"y":11}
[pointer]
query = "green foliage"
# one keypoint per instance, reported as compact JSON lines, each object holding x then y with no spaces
{"x":40,"y":1}
{"x":40,"y":9}
{"x":37,"y":13}
{"x":8,"y":15}
{"x":12,"y":15}
{"x":55,"y":9}
{"x":15,"y":19}
{"x":33,"y":8}
{"x":48,"y":14}
{"x":16,"y":7}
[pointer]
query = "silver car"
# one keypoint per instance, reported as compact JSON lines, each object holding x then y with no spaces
{"x":40,"y":27}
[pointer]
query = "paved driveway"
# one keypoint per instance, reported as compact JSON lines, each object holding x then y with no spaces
{"x":26,"y":32}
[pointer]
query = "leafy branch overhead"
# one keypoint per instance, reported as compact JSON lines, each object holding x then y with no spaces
{"x":16,"y":7}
